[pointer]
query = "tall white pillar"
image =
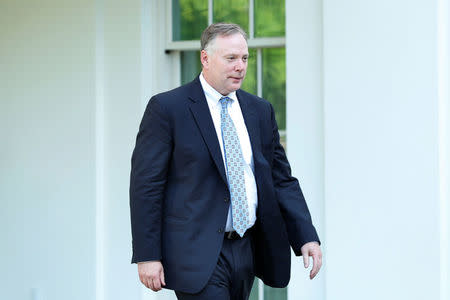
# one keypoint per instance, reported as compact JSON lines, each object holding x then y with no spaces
{"x":382,"y":149}
{"x":444,"y":142}
{"x":305,"y":126}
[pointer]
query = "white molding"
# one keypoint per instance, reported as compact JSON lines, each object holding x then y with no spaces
{"x":260,"y":42}
{"x":251,"y":19}
{"x":148,"y":9}
{"x":444,"y":144}
{"x":183,"y":45}
{"x":305,"y":127}
{"x":259,"y":73}
{"x":169,"y":23}
{"x":210,"y":12}
{"x":269,"y":42}
{"x":99,"y":151}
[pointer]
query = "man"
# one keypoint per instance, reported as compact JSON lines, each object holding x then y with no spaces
{"x":212,"y":199}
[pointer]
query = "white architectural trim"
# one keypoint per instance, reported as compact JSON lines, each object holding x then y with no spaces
{"x":259,"y":72}
{"x":251,"y":19}
{"x":100,"y":150}
{"x":444,"y":143}
{"x":183,"y":45}
{"x":156,"y":76}
{"x":169,"y":24}
{"x":305,"y":126}
{"x":266,"y":42}
{"x":210,"y":12}
{"x":149,"y":8}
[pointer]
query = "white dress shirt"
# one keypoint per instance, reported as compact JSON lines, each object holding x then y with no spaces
{"x":234,"y":110}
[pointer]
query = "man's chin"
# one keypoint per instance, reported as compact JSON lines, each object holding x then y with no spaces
{"x":235,"y":86}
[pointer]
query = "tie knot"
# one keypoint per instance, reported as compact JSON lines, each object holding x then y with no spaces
{"x":225,"y":100}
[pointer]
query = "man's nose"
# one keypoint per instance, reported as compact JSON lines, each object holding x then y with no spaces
{"x":240,"y":65}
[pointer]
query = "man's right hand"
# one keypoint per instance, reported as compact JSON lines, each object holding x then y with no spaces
{"x":151,"y":274}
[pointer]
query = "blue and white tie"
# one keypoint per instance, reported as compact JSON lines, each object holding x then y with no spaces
{"x":235,"y":163}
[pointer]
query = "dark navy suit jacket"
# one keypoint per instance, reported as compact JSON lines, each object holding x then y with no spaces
{"x":179,"y":197}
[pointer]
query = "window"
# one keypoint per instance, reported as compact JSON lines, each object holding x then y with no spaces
{"x":264,"y":21}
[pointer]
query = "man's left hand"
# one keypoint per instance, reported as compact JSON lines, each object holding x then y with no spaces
{"x":312,"y":249}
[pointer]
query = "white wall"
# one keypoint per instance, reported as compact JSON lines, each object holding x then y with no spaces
{"x":47,"y":152}
{"x":71,"y":102}
{"x":381,"y":150}
{"x":132,"y":66}
{"x":304,"y":107}
{"x":122,"y":113}
{"x":443,"y":15}
{"x":363,"y":139}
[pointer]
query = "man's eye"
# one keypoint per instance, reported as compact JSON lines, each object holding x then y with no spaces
{"x":245,"y":58}
{"x":230,"y":57}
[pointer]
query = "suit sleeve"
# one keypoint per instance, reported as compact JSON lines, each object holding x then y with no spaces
{"x":290,"y":197}
{"x":149,"y":169}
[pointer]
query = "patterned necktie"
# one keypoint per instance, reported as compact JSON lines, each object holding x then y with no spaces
{"x":234,"y":161}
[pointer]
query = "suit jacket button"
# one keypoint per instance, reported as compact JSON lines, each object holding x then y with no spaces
{"x":226,"y":199}
{"x":220,"y":230}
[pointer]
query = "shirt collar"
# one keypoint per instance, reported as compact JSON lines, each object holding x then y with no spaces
{"x":211,"y":93}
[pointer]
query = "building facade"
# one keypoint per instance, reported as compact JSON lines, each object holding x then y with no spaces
{"x":366,"y":124}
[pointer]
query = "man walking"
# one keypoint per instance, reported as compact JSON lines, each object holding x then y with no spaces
{"x":213,"y":203}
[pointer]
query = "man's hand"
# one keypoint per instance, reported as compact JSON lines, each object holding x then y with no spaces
{"x":312,"y":249}
{"x":151,"y":274}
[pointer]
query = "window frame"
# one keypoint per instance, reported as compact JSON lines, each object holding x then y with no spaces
{"x":253,"y":42}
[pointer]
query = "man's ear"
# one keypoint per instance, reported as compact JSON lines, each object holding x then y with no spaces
{"x":204,"y":58}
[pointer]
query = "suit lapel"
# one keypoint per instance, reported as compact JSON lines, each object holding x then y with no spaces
{"x":251,"y":122}
{"x":200,"y":110}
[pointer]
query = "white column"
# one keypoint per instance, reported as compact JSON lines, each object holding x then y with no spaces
{"x":100,"y":228}
{"x":382,"y":149}
{"x":444,"y":143}
{"x":123,"y":79}
{"x":305,"y":126}
{"x":47,"y":152}
{"x":159,"y":72}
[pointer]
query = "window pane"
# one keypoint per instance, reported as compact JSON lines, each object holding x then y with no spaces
{"x":269,"y":18}
{"x":274,"y":82}
{"x":189,"y":19}
{"x":249,"y":84}
{"x":274,"y":294}
{"x":231,"y":11}
{"x":190,"y":65}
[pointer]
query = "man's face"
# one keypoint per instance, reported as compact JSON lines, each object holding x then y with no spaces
{"x":225,"y":66}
